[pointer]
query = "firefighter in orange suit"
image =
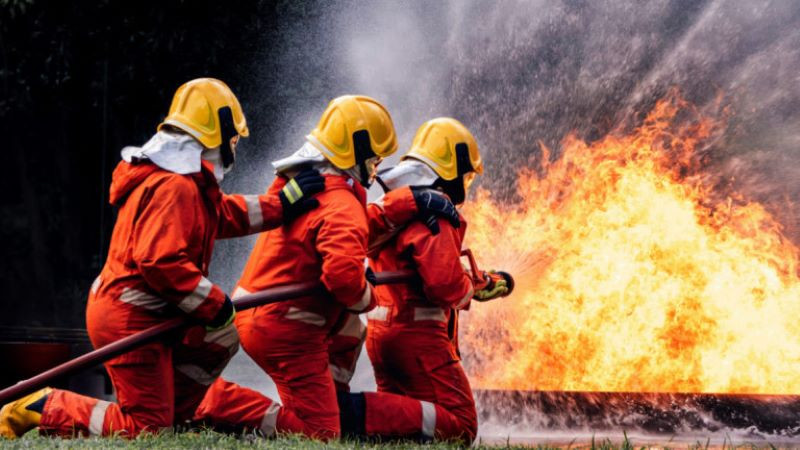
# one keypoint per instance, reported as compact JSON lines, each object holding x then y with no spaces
{"x":411,"y":340}
{"x":309,"y":346}
{"x":171,"y":210}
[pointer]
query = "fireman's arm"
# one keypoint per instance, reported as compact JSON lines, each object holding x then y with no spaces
{"x":397,"y":208}
{"x":163,"y":234}
{"x":388,"y":214}
{"x":284,"y":200}
{"x":247,"y":214}
{"x":342,"y":244}
{"x":438,"y":261}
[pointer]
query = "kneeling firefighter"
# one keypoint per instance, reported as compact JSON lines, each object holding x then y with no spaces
{"x":309,"y":346}
{"x":423,"y":392}
{"x":171,"y":210}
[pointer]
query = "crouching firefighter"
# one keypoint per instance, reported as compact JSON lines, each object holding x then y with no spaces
{"x":309,"y":346}
{"x":171,"y":210}
{"x":423,"y":392}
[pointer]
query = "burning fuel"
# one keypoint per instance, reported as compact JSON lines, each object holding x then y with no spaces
{"x":633,"y":274}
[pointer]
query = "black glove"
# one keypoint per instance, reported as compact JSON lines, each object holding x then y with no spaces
{"x":224,"y":316}
{"x":432,"y":205}
{"x":369,"y":274}
{"x":296,"y":195}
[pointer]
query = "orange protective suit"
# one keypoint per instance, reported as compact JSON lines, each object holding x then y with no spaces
{"x":423,"y":391}
{"x":308,"y":346}
{"x":156,"y":268}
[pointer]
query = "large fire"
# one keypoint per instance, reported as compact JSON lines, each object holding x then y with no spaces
{"x":633,"y":274}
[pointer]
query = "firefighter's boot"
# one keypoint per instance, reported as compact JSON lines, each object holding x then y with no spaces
{"x":23,"y":415}
{"x":352,"y":414}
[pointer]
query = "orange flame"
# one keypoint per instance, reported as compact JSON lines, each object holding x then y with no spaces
{"x":631,"y":276}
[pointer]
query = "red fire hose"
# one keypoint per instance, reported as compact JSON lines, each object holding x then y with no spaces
{"x":102,"y":354}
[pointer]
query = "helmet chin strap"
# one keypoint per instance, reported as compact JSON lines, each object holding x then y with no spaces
{"x":223,"y":156}
{"x":227,"y":132}
{"x":363,"y":153}
{"x":382,"y":184}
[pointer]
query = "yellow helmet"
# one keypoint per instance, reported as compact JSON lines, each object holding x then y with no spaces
{"x":353,"y":129}
{"x":207,"y":109}
{"x":447,"y":147}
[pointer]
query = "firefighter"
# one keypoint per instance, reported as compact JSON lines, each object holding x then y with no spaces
{"x":171,"y":210}
{"x":423,"y":391}
{"x":309,"y":346}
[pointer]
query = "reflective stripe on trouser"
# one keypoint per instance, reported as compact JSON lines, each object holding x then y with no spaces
{"x":228,"y":407}
{"x":198,"y":361}
{"x":421,"y":364}
{"x":435,"y":313}
{"x":345,"y":348}
{"x":87,"y":414}
{"x":393,"y":415}
{"x":152,"y":391}
{"x":295,"y":355}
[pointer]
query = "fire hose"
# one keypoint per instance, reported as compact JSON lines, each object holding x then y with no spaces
{"x":103,"y":354}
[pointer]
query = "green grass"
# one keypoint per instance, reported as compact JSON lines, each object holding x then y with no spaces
{"x":202,"y":440}
{"x":210,"y":439}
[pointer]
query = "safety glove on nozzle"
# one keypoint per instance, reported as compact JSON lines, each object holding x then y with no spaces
{"x":296,"y":194}
{"x":432,"y":205}
{"x":496,"y":287}
{"x":224,"y":316}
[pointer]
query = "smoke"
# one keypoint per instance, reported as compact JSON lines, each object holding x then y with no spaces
{"x":518,"y":73}
{"x":521,"y":73}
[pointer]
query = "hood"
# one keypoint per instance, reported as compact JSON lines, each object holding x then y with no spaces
{"x":308,"y":156}
{"x":128,"y":176}
{"x":171,"y":151}
{"x":125,"y":179}
{"x":213,"y":158}
{"x":409,"y":172}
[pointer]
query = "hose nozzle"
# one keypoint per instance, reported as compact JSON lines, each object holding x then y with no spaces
{"x":509,"y":282}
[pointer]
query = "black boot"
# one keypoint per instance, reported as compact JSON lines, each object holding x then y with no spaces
{"x":352,"y":414}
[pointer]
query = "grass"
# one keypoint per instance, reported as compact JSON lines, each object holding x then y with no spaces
{"x":202,"y":440}
{"x":210,"y":439}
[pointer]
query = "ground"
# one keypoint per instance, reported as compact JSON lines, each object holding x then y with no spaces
{"x":209,"y":439}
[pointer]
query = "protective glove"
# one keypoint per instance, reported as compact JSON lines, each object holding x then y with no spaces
{"x":496,"y":287}
{"x":432,"y":205}
{"x":296,"y":194}
{"x":224,"y":316}
{"x":369,"y":274}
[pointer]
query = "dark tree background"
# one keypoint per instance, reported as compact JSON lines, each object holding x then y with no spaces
{"x":79,"y":81}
